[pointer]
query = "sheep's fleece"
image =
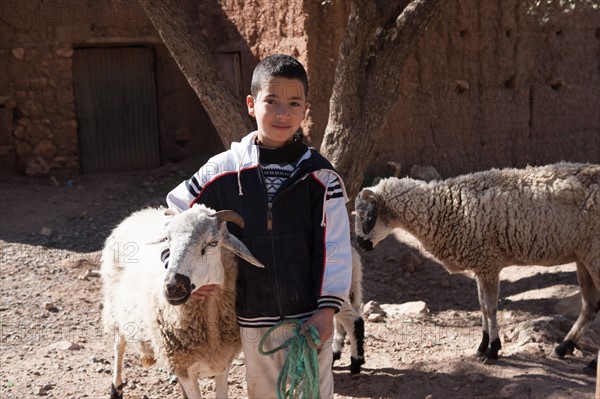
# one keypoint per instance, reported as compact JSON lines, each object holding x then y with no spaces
{"x":485,"y":221}
{"x":196,"y":338}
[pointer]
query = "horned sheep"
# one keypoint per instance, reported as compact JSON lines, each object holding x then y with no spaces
{"x":195,"y":339}
{"x":488,"y":220}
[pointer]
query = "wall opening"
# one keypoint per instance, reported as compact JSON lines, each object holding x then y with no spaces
{"x":115,"y":102}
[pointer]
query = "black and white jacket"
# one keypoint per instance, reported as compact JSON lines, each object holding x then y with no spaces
{"x":302,"y":236}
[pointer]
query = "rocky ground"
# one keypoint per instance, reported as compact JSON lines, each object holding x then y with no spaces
{"x":52,"y":343}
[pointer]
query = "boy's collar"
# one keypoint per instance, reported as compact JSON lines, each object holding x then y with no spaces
{"x":287,"y":153}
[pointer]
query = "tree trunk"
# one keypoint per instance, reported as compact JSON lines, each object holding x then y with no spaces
{"x":379,"y":38}
{"x":176,"y":23}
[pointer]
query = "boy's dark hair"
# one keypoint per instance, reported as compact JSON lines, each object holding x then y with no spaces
{"x":278,"y":66}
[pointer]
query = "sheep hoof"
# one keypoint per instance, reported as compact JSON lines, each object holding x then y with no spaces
{"x":591,"y":368}
{"x":355,"y":364}
{"x":336,"y":356}
{"x":490,"y":357}
{"x":491,"y":354}
{"x":489,"y":360}
{"x":485,"y":342}
{"x":116,"y":393}
{"x":565,"y":348}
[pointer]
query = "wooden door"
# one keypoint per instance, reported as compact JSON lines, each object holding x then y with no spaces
{"x":115,"y":100}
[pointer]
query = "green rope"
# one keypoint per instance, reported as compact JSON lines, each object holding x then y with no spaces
{"x":301,"y":367}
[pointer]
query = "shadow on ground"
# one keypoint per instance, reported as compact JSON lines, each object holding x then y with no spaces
{"x":77,"y":212}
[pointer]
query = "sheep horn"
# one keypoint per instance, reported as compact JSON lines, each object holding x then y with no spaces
{"x":230,"y":216}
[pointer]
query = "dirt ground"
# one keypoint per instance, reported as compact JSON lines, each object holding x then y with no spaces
{"x":52,"y":344}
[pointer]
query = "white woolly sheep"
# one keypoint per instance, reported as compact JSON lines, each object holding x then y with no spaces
{"x":148,"y":305}
{"x":349,"y":321}
{"x":485,"y":221}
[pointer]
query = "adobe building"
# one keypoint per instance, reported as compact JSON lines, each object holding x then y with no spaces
{"x":88,"y":85}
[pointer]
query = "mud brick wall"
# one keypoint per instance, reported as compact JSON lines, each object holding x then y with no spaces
{"x":500,"y":83}
{"x":38,"y":121}
{"x":492,"y":83}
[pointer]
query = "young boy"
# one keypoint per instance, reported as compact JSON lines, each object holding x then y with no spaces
{"x":293,"y":205}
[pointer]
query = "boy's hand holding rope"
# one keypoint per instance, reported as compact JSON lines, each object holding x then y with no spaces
{"x":301,"y":367}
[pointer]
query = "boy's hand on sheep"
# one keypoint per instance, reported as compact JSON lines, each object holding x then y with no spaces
{"x":322,"y":320}
{"x":204,"y":291}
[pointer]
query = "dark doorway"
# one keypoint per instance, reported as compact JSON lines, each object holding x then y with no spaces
{"x":115,"y":99}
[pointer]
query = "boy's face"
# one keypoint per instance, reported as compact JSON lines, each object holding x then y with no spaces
{"x":279,"y":108}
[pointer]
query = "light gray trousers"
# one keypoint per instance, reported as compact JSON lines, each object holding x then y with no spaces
{"x":262,"y":371}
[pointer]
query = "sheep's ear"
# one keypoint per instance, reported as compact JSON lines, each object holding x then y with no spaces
{"x":367,"y":193}
{"x":157,"y":240}
{"x":233,"y":244}
{"x":171,"y":212}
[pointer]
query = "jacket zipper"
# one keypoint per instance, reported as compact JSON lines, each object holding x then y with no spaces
{"x":275,"y":274}
{"x":272,"y":238}
{"x":270,"y":217}
{"x":272,"y":242}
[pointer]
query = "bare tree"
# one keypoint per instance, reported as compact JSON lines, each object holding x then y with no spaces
{"x":176,"y":22}
{"x":380,"y":36}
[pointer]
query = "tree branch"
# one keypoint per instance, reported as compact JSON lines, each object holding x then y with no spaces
{"x":176,"y":24}
{"x":379,"y":38}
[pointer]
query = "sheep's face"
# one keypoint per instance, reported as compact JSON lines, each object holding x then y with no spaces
{"x":196,"y":238}
{"x":370,"y":225}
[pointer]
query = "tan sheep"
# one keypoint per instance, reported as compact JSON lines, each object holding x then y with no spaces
{"x":485,"y":221}
{"x":151,"y":307}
